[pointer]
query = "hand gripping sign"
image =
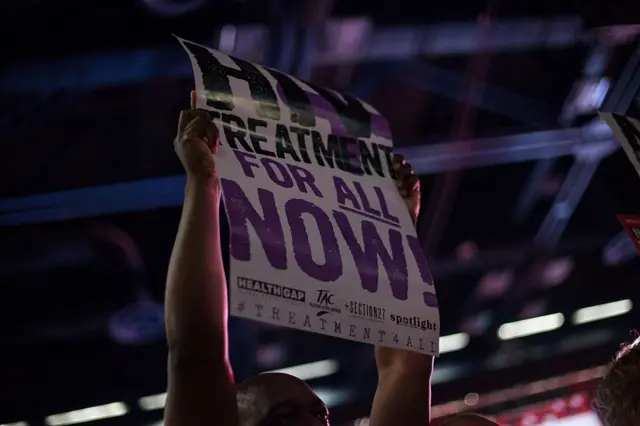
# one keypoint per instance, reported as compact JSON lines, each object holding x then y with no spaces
{"x":320,"y":238}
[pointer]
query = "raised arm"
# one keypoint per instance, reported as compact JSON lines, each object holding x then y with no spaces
{"x":201,"y":390}
{"x":403,"y":396}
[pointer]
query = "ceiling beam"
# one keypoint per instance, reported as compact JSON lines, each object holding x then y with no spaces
{"x":350,"y":40}
{"x":169,"y":191}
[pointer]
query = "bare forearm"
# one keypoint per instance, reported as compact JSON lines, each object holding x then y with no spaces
{"x":403,"y":395}
{"x":196,"y":297}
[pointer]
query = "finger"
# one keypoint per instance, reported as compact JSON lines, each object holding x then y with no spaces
{"x":213,"y":139}
{"x":201,"y":113}
{"x":407,"y":169}
{"x":197,"y":128}
{"x":194,"y":99}
{"x":186,"y":116}
{"x":403,"y":171}
{"x":409,"y":185}
{"x":203,"y":128}
{"x":397,"y":161}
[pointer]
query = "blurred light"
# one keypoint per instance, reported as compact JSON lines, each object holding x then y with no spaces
{"x":138,"y":323}
{"x":535,"y":308}
{"x":453,"y":342}
{"x":332,"y":397}
{"x":271,"y":355}
{"x":153,"y":402}
{"x":557,"y":271}
{"x":227,"y":39}
{"x":476,"y":324}
{"x":15,"y":424}
{"x":600,"y":312}
{"x":494,"y":283}
{"x":362,"y":422}
{"x":530,"y":326}
{"x":467,"y":250}
{"x":173,"y":8}
{"x":313,"y":370}
{"x":521,"y":391}
{"x":471,"y":399}
{"x":591,"y":94}
{"x":99,"y":412}
{"x":619,"y":249}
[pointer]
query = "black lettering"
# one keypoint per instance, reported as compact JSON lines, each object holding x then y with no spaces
{"x":307,"y":321}
{"x":292,"y":317}
{"x":389,"y":156}
{"x":328,"y":154}
{"x":256,"y":139}
{"x":296,"y":98}
{"x":302,"y":142}
{"x":350,"y":154}
{"x":409,"y":345}
{"x":381,"y":335}
{"x":283,"y":143}
{"x":352,"y":113}
{"x":235,"y":131}
{"x":337,"y":327}
{"x":259,"y":309}
{"x":367,"y":333}
{"x":216,"y":80}
{"x":323,"y":322}
{"x":395,"y":337}
{"x":275,"y":314}
{"x":370,"y":158}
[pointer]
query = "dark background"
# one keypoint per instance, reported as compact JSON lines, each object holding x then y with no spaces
{"x":493,"y":102}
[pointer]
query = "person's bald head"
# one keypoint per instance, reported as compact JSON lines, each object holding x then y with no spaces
{"x":469,"y":420}
{"x":276,"y":399}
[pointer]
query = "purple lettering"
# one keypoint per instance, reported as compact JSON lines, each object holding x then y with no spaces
{"x":304,"y":178}
{"x":383,"y":206}
{"x":366,"y":256}
{"x":429,"y":298}
{"x":243,"y":159}
{"x":365,"y":201}
{"x":268,"y":228}
{"x":331,"y":269}
{"x":343,"y":193}
{"x":282,"y":177}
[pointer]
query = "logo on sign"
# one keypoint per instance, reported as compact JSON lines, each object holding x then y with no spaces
{"x":273,"y":290}
{"x":413,"y":322}
{"x":325,"y":302}
{"x":366,"y":311}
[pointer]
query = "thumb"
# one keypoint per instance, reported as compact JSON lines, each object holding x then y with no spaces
{"x":194,"y":98}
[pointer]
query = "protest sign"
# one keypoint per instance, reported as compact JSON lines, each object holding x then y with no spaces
{"x":321,"y":240}
{"x":631,"y":225}
{"x":627,"y":131}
